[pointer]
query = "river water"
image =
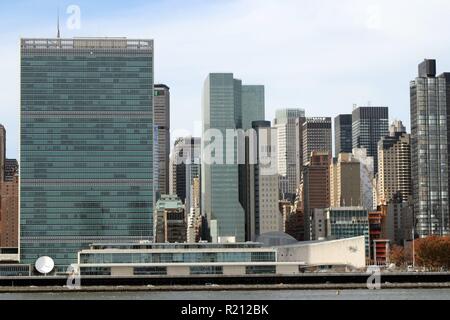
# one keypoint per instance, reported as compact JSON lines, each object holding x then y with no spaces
{"x":358,"y":294}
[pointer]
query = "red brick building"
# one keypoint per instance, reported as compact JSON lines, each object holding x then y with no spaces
{"x":9,"y":197}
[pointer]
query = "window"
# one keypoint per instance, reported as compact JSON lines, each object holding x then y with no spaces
{"x":206,"y":270}
{"x":140,"y":271}
{"x":260,"y":269}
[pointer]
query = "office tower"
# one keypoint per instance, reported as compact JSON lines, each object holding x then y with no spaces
{"x":176,"y":159}
{"x":316,"y":186}
{"x":446,"y":76}
{"x":86,"y":146}
{"x":366,"y":177}
{"x":285,"y":123}
{"x":369,"y":125}
{"x":169,"y":217}
{"x":252,"y":109}
{"x":343,"y":134}
{"x":396,"y":127}
{"x":299,"y":150}
{"x":429,"y":151}
{"x":253,"y":105}
{"x":267,"y":215}
{"x":399,"y":220}
{"x":224,"y":99}
{"x":317,"y":136}
{"x":195,"y":218}
{"x":2,"y":153}
{"x":156,"y":191}
{"x":193,"y":171}
{"x":348,"y":222}
{"x":345,"y":181}
{"x":9,"y":197}
{"x":161,"y":118}
{"x":185,"y":165}
{"x":394,"y":165}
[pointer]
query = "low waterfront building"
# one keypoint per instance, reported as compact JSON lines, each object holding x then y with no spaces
{"x":9,"y":264}
{"x":349,"y":253}
{"x":180,"y":259}
{"x":231,"y":259}
{"x":15,"y":270}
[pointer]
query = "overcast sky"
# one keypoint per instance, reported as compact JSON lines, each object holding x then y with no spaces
{"x":323,"y":56}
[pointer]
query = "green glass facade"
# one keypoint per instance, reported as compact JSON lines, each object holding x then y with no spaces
{"x":227,"y":105}
{"x":220,"y":182}
{"x":181,"y":257}
{"x":86,"y":145}
{"x":348,"y":223}
{"x":253,"y":105}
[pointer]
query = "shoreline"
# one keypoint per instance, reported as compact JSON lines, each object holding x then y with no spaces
{"x":259,"y":287}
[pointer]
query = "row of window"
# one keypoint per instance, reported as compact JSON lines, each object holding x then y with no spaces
{"x":194,"y":270}
{"x":177,"y":257}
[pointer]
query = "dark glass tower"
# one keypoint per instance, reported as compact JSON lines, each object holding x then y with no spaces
{"x":317,"y":136}
{"x":429,"y":151}
{"x":369,"y":125}
{"x":161,"y":113}
{"x":343,"y":134}
{"x":86,"y":145}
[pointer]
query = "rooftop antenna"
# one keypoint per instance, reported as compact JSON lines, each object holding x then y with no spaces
{"x":59,"y":33}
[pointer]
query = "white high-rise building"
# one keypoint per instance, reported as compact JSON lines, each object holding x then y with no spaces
{"x":267,"y":214}
{"x":366,"y":177}
{"x":285,"y":123}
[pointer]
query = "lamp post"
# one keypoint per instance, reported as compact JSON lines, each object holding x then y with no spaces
{"x":413,"y":251}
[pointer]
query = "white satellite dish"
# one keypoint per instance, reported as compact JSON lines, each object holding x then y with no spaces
{"x":44,"y":265}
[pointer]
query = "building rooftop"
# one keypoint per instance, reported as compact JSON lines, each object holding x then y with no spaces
{"x":169,"y":202}
{"x":151,"y":245}
{"x":86,"y":43}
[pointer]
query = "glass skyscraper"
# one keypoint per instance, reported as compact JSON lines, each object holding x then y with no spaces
{"x":253,"y":102}
{"x":369,"y":125}
{"x":227,"y":104}
{"x":343,"y":134}
{"x":429,"y":151}
{"x":86,"y":145}
{"x":161,"y":119}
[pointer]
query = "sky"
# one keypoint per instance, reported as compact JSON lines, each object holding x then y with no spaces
{"x":321,"y":55}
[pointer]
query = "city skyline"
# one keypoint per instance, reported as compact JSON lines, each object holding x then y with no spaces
{"x":348,"y":77}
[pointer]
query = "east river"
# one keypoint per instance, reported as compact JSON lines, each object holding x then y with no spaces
{"x":350,"y":294}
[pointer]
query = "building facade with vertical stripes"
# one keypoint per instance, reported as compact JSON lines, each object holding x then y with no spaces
{"x":86,"y":145}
